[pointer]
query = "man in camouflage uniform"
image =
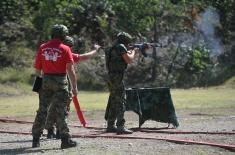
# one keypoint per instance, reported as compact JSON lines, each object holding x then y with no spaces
{"x":117,"y":58}
{"x":51,"y":111}
{"x":51,"y":117}
{"x":54,"y":60}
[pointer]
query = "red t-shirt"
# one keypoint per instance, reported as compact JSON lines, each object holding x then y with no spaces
{"x":76,"y":57}
{"x":52,"y":57}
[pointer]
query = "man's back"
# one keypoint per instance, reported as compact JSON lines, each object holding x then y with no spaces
{"x":53,"y":56}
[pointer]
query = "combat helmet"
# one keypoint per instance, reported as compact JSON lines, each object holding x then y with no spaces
{"x":124,"y":38}
{"x":69,"y":41}
{"x":59,"y":31}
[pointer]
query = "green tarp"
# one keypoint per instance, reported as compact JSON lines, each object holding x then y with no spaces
{"x":151,"y":104}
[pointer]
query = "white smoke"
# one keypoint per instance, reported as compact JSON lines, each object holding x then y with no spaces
{"x":206,"y":24}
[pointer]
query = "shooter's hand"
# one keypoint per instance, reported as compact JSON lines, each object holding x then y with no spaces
{"x":97,"y":47}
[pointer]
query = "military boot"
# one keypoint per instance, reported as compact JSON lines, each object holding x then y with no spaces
{"x":50,"y":133}
{"x":66,"y":142}
{"x":123,"y":130}
{"x":111,"y":129}
{"x":36,"y":142}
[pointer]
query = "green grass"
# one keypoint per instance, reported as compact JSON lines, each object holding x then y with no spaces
{"x":15,"y":102}
{"x":204,"y":98}
{"x":93,"y":100}
{"x":23,"y":105}
{"x":230,"y":82}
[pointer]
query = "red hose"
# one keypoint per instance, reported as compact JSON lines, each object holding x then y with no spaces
{"x":30,"y":122}
{"x":14,"y":121}
{"x":186,"y":132}
{"x":137,"y":129}
{"x":182,"y":141}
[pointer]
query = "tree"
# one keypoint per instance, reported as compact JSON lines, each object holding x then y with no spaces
{"x":16,"y":29}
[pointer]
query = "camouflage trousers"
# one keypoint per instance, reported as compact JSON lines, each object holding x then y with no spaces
{"x":54,"y":93}
{"x":51,"y":117}
{"x":116,"y":102}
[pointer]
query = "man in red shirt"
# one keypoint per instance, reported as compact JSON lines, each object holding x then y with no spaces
{"x":51,"y":112}
{"x":54,"y":59}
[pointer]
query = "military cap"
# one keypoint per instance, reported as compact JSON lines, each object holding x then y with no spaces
{"x":59,"y":31}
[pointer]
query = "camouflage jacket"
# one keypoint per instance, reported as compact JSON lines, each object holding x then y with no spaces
{"x":114,"y":60}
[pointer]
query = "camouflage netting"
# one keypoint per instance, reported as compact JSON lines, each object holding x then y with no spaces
{"x":151,"y":104}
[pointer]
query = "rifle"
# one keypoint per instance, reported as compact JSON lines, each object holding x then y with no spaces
{"x":144,"y":46}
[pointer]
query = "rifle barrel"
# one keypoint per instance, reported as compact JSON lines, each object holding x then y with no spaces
{"x":151,"y":44}
{"x":156,"y":44}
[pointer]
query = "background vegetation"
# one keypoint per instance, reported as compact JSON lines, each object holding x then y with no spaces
{"x":187,"y":59}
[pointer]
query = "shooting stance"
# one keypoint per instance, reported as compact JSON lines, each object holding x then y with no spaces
{"x":54,"y":59}
{"x":117,"y":59}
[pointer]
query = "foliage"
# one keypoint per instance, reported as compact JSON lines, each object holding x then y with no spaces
{"x":199,"y":60}
{"x":16,"y":31}
{"x":90,"y":19}
{"x":15,"y":75}
{"x":50,"y":13}
{"x":25,"y":24}
{"x":91,"y":75}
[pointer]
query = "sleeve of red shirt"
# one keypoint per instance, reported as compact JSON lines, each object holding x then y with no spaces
{"x":38,"y":62}
{"x":76,"y":57}
{"x":69,"y":57}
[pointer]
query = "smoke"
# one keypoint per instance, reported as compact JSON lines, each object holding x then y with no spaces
{"x":206,"y":24}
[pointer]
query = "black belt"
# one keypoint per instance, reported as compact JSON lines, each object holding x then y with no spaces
{"x":60,"y":74}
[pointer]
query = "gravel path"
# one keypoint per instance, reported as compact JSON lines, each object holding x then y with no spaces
{"x":21,"y":144}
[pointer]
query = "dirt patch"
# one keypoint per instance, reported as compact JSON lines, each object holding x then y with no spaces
{"x":208,"y":120}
